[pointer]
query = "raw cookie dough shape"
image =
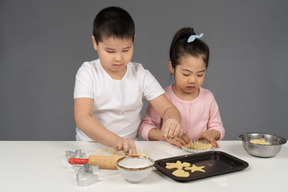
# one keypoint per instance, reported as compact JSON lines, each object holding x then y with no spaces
{"x":177,"y":165}
{"x":180,"y":173}
{"x":194,"y":168}
{"x":199,"y":145}
{"x":259,"y":141}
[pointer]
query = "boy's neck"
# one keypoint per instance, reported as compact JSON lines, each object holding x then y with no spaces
{"x":116,"y":75}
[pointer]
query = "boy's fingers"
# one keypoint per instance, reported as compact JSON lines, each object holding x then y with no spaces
{"x":133,"y":150}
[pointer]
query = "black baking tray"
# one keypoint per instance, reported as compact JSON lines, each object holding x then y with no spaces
{"x":215,"y":162}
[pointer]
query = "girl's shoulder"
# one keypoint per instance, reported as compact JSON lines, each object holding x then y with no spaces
{"x":169,"y":92}
{"x":206,"y":93}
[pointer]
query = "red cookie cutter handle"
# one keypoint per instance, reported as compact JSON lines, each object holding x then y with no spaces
{"x":74,"y":161}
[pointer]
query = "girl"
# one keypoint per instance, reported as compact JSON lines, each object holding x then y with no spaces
{"x":201,"y":119}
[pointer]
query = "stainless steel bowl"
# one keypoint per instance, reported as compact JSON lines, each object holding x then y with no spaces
{"x":260,"y":150}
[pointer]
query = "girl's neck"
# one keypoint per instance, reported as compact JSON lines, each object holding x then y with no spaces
{"x":185,"y":96}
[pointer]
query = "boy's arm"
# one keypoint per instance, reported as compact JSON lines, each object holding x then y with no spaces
{"x":83,"y":112}
{"x":171,"y":117}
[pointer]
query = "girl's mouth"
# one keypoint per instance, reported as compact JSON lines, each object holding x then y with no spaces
{"x":190,"y":87}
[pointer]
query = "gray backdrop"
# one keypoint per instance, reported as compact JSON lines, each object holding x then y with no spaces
{"x":43,"y":43}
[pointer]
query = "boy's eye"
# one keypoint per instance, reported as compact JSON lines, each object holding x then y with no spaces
{"x":186,"y":74}
{"x":126,"y":50}
{"x":110,"y":51}
{"x":200,"y":75}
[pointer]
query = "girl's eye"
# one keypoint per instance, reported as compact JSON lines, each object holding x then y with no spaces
{"x":185,"y":74}
{"x":200,"y":74}
{"x":126,"y":50}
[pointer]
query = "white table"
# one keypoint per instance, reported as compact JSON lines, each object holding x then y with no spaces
{"x":41,"y":166}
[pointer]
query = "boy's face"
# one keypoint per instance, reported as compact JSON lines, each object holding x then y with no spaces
{"x":114,"y":54}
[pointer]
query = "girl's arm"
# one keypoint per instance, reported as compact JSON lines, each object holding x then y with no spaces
{"x":171,"y":118}
{"x":215,"y":130}
{"x":83,"y":112}
{"x":151,"y":121}
{"x":215,"y":122}
{"x":149,"y":129}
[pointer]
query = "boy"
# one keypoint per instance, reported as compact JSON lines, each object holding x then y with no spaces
{"x":109,"y":91}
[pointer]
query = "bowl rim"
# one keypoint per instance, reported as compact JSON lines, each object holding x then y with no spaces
{"x":262,"y":134}
{"x":135,"y":156}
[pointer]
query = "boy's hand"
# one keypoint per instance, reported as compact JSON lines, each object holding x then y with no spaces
{"x":126,"y":145}
{"x":180,"y":141}
{"x":171,"y":129}
{"x":211,"y":136}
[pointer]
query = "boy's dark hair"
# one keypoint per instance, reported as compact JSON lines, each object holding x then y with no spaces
{"x":180,"y":47}
{"x":113,"y":22}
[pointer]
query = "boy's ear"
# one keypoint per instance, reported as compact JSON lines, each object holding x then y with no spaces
{"x":94,"y":43}
{"x":171,"y":69}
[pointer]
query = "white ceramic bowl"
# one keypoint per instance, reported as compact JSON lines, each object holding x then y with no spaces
{"x":136,"y":168}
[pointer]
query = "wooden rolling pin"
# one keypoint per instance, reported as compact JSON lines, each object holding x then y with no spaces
{"x":103,"y":161}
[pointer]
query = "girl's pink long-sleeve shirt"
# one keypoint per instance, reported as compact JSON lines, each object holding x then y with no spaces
{"x":198,"y":115}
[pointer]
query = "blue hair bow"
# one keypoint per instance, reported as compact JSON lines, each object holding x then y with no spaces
{"x":193,"y":37}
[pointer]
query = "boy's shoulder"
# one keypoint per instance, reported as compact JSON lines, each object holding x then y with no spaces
{"x":92,"y":63}
{"x":89,"y":65}
{"x":137,"y":69}
{"x":136,"y":66}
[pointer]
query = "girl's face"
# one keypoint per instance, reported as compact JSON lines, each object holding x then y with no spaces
{"x":114,"y":54}
{"x":189,"y":76}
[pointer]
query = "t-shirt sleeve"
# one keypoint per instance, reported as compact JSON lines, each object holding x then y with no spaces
{"x":151,"y":86}
{"x":83,"y":82}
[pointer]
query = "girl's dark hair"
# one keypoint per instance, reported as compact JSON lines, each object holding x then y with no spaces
{"x":180,"y":47}
{"x":113,"y":22}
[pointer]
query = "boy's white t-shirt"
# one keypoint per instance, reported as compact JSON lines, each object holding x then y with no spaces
{"x":117,"y":103}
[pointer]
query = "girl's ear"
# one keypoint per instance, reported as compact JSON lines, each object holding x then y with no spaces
{"x":171,"y":69}
{"x":94,"y":43}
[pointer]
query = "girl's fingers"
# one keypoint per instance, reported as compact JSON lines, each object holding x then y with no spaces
{"x":186,"y":139}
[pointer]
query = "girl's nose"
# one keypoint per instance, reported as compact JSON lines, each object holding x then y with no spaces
{"x":192,"y":79}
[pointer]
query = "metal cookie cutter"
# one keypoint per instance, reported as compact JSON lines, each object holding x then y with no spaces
{"x":77,"y":154}
{"x":85,"y":174}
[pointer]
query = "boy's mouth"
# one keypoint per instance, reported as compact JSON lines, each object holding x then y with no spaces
{"x":117,"y":65}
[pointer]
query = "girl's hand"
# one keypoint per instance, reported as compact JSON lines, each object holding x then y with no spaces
{"x":179,"y":141}
{"x":171,"y":129}
{"x":126,"y":145}
{"x":211,"y":136}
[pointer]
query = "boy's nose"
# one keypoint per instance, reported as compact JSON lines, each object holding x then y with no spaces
{"x":118,"y":57}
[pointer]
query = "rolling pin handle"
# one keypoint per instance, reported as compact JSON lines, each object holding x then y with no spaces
{"x":78,"y":161}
